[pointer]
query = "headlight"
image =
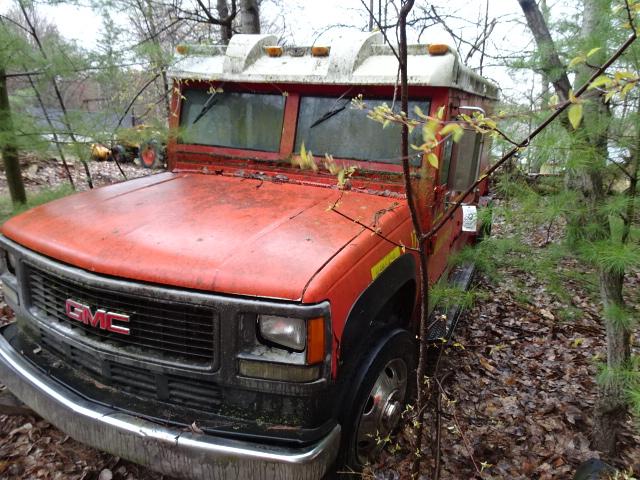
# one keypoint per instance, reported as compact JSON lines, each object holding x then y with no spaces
{"x":11,"y":263}
{"x":287,"y":332}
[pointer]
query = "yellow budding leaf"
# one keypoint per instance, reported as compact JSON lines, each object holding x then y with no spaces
{"x":626,"y":89}
{"x":432,"y":158}
{"x":577,"y":61}
{"x":429,"y":130}
{"x":575,"y":115}
{"x":553,"y":100}
{"x":303,"y":152}
{"x":572,"y":97}
{"x":330,"y":164}
{"x":600,"y":81}
{"x":454,"y":129}
{"x":625,"y":75}
{"x":593,"y":50}
{"x":419,"y":112}
{"x":490,"y":123}
{"x":440,"y":113}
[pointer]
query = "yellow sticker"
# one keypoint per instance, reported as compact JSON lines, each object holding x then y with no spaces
{"x":379,"y":267}
{"x":414,"y":239}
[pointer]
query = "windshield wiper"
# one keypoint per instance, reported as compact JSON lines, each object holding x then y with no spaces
{"x":327,"y":115}
{"x":211,"y":101}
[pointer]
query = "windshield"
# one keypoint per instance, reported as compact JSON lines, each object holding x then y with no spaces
{"x":250,"y":121}
{"x":331,"y":125}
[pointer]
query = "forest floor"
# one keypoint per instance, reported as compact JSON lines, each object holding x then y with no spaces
{"x":43,"y":173}
{"x":520,"y":385}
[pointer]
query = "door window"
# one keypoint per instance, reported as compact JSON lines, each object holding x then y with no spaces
{"x":467,"y":162}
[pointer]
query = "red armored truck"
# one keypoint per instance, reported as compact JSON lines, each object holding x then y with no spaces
{"x":238,"y":316}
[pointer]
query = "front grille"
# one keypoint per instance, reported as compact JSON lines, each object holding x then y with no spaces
{"x":171,"y":330}
{"x":174,"y":389}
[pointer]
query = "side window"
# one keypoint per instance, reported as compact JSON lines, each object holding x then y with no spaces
{"x":467,"y":162}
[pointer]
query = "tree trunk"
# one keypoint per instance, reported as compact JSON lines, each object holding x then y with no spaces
{"x":8,"y":146}
{"x":225,"y":29}
{"x":611,"y":407}
{"x":249,"y":16}
{"x":590,"y":142}
{"x":552,"y":66}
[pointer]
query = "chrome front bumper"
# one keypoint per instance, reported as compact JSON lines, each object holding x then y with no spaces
{"x":167,"y":450}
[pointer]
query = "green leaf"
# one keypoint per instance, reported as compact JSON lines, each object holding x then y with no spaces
{"x":575,"y":115}
{"x":554,"y":100}
{"x":432,"y":158}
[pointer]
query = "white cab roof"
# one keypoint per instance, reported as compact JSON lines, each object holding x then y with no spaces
{"x":354,"y":59}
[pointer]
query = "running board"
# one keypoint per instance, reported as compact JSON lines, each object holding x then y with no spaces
{"x":461,"y":277}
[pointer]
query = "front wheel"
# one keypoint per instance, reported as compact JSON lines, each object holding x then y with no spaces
{"x":151,"y":154}
{"x":379,"y":402}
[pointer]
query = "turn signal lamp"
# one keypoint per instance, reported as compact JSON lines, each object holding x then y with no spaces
{"x":438,"y":48}
{"x":274,"y":51}
{"x":315,"y":340}
{"x":320,"y":51}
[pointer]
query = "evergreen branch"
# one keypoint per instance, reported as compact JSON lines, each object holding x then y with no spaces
{"x":23,"y":74}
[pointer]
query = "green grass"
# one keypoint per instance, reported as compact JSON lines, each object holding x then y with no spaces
{"x":8,"y":210}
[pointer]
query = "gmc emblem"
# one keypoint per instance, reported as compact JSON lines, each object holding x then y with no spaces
{"x":101,"y":319}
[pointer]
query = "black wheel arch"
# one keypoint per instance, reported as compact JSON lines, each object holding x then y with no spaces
{"x":388,"y":302}
{"x":381,"y":312}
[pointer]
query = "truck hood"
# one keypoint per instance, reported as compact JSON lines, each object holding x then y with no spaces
{"x":206,"y":232}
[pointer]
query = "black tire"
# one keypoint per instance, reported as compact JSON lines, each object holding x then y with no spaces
{"x":364,"y":415}
{"x":151,"y":154}
{"x":119,"y":154}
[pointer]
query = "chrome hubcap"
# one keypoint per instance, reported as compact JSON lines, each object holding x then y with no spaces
{"x":382,"y":410}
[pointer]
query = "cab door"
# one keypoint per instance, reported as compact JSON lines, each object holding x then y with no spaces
{"x":458,"y":169}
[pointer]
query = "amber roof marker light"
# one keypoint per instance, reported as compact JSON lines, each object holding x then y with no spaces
{"x":438,"y":48}
{"x":273,"y":51}
{"x":320,"y":51}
